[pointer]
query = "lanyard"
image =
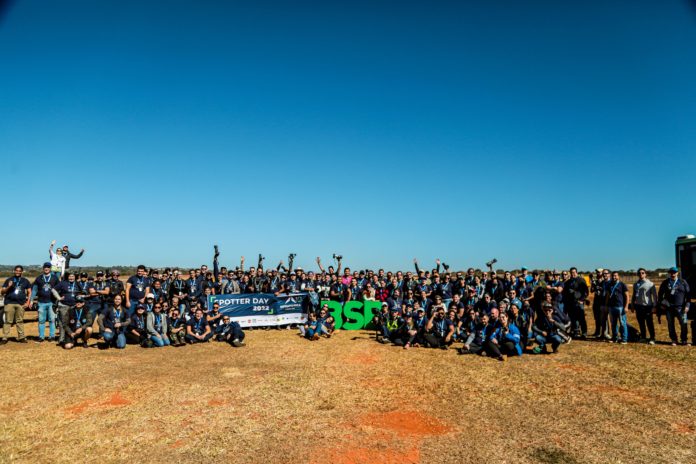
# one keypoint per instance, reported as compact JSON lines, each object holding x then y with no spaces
{"x":71,"y":288}
{"x":118,"y":314}
{"x":673,"y":286}
{"x":613,"y":289}
{"x":79,"y":316}
{"x":198,"y":324}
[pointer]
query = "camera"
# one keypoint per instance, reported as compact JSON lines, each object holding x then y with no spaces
{"x":261,"y":257}
{"x":491,"y":262}
{"x":292,"y":256}
{"x":337,"y":257}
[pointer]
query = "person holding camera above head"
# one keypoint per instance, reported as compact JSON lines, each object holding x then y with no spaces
{"x":17,"y":292}
{"x":116,"y":322}
{"x":197,"y":329}
{"x":156,"y":326}
{"x":76,"y":324}
{"x":675,"y":297}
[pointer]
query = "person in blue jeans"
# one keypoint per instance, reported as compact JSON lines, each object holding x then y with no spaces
{"x":116,"y":321}
{"x":156,"y":325}
{"x":43,"y":290}
{"x":617,"y":301}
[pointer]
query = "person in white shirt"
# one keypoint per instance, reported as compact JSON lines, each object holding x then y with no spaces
{"x":644,"y":302}
{"x":57,"y":261}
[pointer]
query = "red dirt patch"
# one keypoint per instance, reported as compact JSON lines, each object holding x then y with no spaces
{"x":79,"y":408}
{"x":217,"y":402}
{"x":683,"y":427}
{"x":116,"y":400}
{"x":409,"y":423}
{"x":177,"y":444}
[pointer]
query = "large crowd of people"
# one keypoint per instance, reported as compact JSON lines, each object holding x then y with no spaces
{"x":483,"y":312}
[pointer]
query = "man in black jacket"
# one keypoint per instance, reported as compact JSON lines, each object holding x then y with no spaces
{"x":675,"y":297}
{"x":574,"y":294}
{"x":69,"y":256}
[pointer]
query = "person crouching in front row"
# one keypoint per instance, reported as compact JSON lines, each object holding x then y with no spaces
{"x":177,"y":328}
{"x":115,"y":322}
{"x":230,"y":331}
{"x":197,"y":329}
{"x":76,"y":324}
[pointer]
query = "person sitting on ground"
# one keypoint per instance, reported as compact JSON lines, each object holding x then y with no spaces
{"x":156,"y":326}
{"x":546,"y":330}
{"x":310,"y":329}
{"x":505,"y":340}
{"x":136,"y":333}
{"x":116,"y":321}
{"x":231,"y":332}
{"x":197,"y":329}
{"x":76,"y":325}
{"x":390,"y":327}
{"x":214,"y":317}
{"x":439,"y":330}
{"x":477,"y":337}
{"x":177,"y":328}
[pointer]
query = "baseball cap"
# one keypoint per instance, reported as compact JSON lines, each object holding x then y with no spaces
{"x":150,"y":295}
{"x":100,"y":273}
{"x":673,"y":269}
{"x":140,"y":306}
{"x":83,"y":274}
{"x":45,"y":265}
{"x":384,"y":304}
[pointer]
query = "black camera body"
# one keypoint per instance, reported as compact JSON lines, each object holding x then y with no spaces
{"x":337,"y":257}
{"x":292,"y":256}
{"x":491,"y":262}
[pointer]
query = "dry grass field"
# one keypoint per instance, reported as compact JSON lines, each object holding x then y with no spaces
{"x":346,"y":400}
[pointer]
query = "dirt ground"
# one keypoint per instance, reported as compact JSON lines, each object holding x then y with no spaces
{"x":346,"y":400}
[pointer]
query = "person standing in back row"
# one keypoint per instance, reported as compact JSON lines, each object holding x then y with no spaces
{"x":675,"y":296}
{"x":643,"y":304}
{"x":17,"y":291}
{"x":617,"y":302}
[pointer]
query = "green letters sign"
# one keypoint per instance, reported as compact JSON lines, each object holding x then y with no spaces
{"x":357,"y":314}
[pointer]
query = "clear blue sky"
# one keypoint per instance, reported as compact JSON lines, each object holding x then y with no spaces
{"x":543,"y":133}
